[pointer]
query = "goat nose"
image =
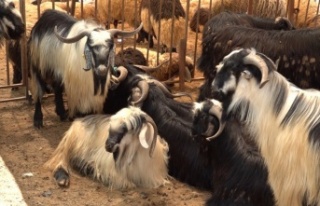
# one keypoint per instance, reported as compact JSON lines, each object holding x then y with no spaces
{"x":109,"y":146}
{"x":102,"y":70}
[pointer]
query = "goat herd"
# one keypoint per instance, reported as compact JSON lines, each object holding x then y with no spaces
{"x":251,"y":138}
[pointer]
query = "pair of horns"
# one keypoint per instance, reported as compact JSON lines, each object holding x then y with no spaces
{"x":87,"y":32}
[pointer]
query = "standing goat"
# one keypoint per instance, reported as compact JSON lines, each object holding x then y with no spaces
{"x":59,"y":62}
{"x":153,"y":20}
{"x":121,"y":151}
{"x":11,"y":22}
{"x":282,"y":119}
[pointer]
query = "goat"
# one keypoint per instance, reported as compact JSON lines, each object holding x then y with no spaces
{"x":163,"y":66}
{"x":153,"y":20}
{"x":297,"y":61}
{"x":228,"y":18}
{"x":239,"y":174}
{"x":121,"y":151}
{"x":283,"y":121}
{"x":57,"y":61}
{"x":11,"y":23}
{"x":174,"y":121}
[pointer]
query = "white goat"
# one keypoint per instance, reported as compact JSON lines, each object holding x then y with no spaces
{"x":121,"y":151}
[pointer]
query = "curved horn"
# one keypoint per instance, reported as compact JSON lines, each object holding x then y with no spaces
{"x":116,"y":32}
{"x":144,"y":88}
{"x":155,"y":134}
{"x":71,"y":39}
{"x":123,"y":74}
{"x":257,"y":61}
{"x":168,"y":93}
{"x":216,"y":110}
{"x":148,"y":68}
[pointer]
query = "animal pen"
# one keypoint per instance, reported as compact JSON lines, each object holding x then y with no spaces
{"x":296,"y":10}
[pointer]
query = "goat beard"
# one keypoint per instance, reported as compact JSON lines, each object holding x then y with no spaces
{"x":99,"y":82}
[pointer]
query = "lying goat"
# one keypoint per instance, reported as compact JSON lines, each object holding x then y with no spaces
{"x":122,"y":150}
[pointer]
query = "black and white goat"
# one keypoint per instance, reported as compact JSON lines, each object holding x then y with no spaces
{"x":11,"y":23}
{"x":121,"y":151}
{"x":282,"y":119}
{"x":59,"y":62}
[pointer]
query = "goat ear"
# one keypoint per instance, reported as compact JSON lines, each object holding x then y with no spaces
{"x":146,"y":135}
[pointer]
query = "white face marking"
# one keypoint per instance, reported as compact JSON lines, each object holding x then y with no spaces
{"x":229,"y":85}
{"x":232,"y":53}
{"x":100,"y":37}
{"x":8,"y":23}
{"x":219,"y":66}
{"x":197,"y":106}
{"x":14,"y":10}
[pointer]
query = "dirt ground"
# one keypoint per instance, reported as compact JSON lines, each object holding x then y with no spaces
{"x":25,"y":150}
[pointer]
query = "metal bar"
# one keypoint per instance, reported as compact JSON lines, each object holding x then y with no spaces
{"x":12,"y":99}
{"x":171,"y":40}
{"x":250,"y":7}
{"x":182,"y":54}
{"x":305,"y":18}
{"x":7,"y":62}
{"x":135,"y":22}
{"x":11,"y":86}
{"x":197,"y":36}
{"x":290,"y":10}
{"x":122,"y":24}
{"x":23,"y":44}
{"x":158,"y":33}
{"x":73,"y":7}
{"x":177,"y":81}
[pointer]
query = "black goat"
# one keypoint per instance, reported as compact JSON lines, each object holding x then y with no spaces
{"x":239,"y":174}
{"x":215,"y":45}
{"x":297,"y":52}
{"x":187,"y":163}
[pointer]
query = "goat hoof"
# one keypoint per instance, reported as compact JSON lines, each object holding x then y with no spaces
{"x":38,"y":124}
{"x":62,"y":177}
{"x":64,"y":116}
